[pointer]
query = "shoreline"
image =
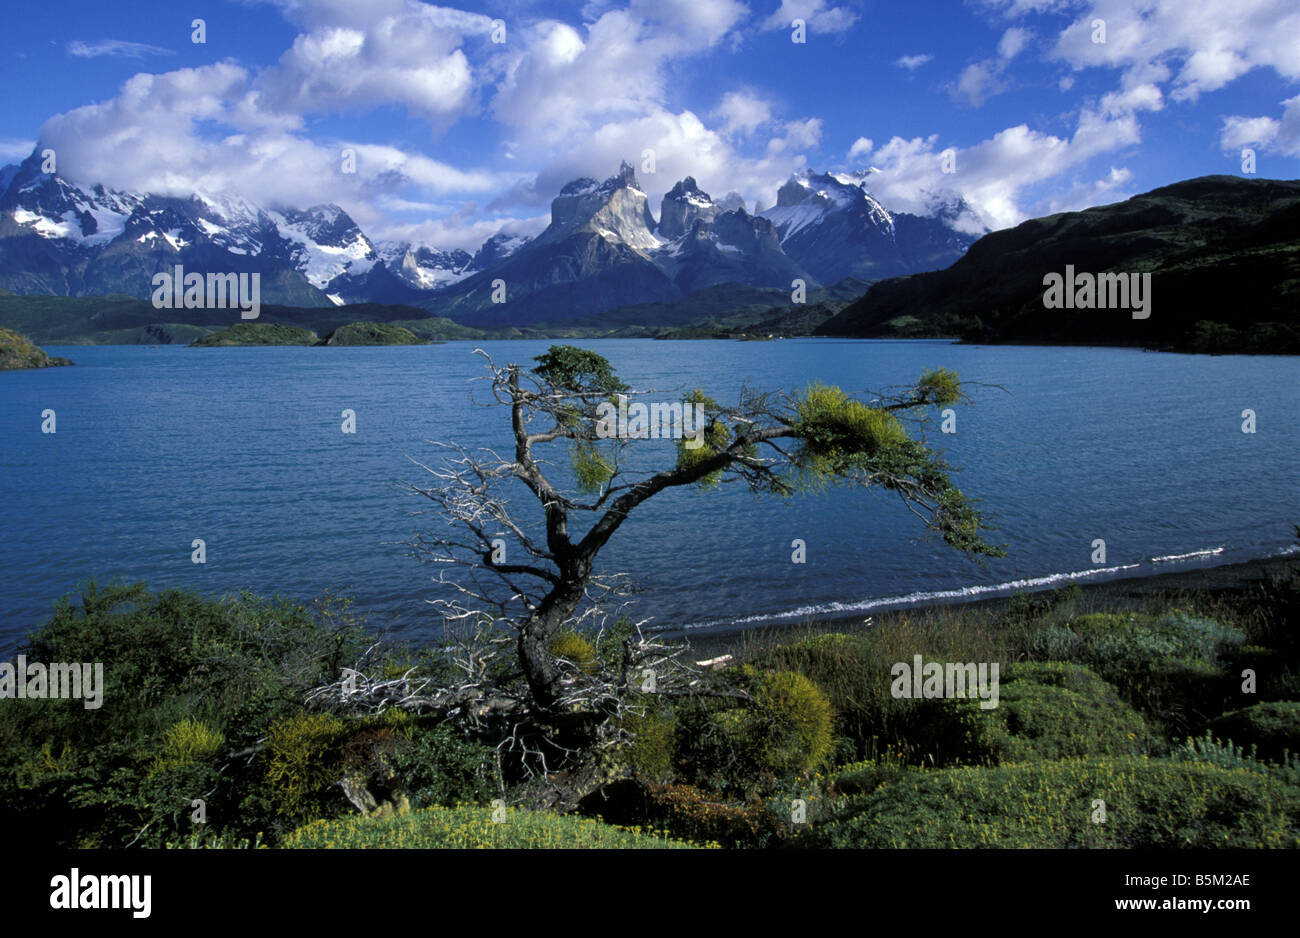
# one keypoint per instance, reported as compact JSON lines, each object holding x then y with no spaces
{"x":1122,"y":590}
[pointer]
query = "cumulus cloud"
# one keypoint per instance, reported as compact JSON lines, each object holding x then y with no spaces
{"x":995,"y":175}
{"x":1282,"y":136}
{"x":14,"y":149}
{"x":742,"y":112}
{"x":412,"y":58}
{"x":1203,"y":46}
{"x":819,"y":16}
{"x":861,"y":148}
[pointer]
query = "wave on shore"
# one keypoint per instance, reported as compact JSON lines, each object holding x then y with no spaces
{"x":962,"y":594}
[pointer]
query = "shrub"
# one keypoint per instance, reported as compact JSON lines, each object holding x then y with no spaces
{"x":691,"y":814}
{"x":175,"y":661}
{"x":1207,"y":749}
{"x":653,"y":748}
{"x":439,"y":767}
{"x":304,"y":763}
{"x":188,"y":741}
{"x":784,"y":730}
{"x":573,"y":647}
{"x":1169,"y":666}
{"x":1149,"y":803}
{"x":854,"y":677}
{"x":468,"y":827}
{"x":1045,"y":711}
{"x":793,"y":721}
{"x":1271,"y":729}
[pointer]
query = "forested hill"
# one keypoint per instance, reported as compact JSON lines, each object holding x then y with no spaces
{"x":1223,"y":254}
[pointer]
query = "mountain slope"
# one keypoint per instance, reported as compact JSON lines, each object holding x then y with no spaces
{"x":1218,"y":248}
{"x":829,"y":224}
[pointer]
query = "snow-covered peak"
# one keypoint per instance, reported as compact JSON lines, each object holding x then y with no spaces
{"x":808,"y":198}
{"x":681,"y":206}
{"x":326,"y":243}
{"x":617,"y":210}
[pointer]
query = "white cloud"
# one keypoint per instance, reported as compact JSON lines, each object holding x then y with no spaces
{"x":799,"y":135}
{"x":742,"y":112}
{"x":819,"y":17}
{"x":1013,"y":41}
{"x":995,"y":175}
{"x":862,"y":147}
{"x":115,"y":47}
{"x":981,"y":80}
{"x":1202,"y":46}
{"x":913,"y":62}
{"x":458,"y":230}
{"x":14,"y":150}
{"x":1268,"y":133}
{"x":1109,"y":188}
{"x":413,"y":58}
{"x":978,"y":82}
{"x":697,"y":23}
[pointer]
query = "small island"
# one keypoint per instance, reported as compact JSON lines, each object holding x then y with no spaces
{"x":16,"y":351}
{"x":268,"y":333}
{"x":373,"y":333}
{"x":258,"y":333}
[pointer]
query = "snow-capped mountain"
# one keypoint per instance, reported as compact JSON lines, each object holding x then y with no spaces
{"x":603,"y":247}
{"x":424,"y":267}
{"x":831,"y":225}
{"x":58,"y":238}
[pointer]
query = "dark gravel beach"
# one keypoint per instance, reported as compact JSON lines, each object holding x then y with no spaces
{"x":1116,"y":592}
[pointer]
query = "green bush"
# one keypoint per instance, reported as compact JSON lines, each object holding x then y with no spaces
{"x":1045,"y":711}
{"x":474,"y":828}
{"x":188,"y":741}
{"x":862,"y":778}
{"x":854,"y":677}
{"x":652,"y":752}
{"x":1229,"y":756}
{"x":173,"y":661}
{"x":1148,"y":803}
{"x":1118,"y":644}
{"x":439,"y":767}
{"x":1171,"y":666}
{"x":573,"y":647}
{"x":304,"y":763}
{"x":1272,"y":729}
{"x":785,"y":729}
{"x":792,"y":724}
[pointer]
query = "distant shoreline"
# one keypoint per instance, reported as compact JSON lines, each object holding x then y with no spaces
{"x":726,"y":639}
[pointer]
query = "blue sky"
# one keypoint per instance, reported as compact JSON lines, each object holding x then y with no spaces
{"x":457,"y":135}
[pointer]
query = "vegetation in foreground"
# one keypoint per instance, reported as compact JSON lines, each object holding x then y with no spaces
{"x":1138,"y":707}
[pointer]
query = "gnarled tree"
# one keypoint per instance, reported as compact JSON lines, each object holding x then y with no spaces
{"x":542,"y":578}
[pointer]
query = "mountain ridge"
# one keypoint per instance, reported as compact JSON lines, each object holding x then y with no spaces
{"x":603,"y":248}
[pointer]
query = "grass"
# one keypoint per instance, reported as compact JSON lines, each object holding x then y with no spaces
{"x":473,"y":828}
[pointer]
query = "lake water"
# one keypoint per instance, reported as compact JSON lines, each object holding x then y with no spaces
{"x":242,"y":447}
